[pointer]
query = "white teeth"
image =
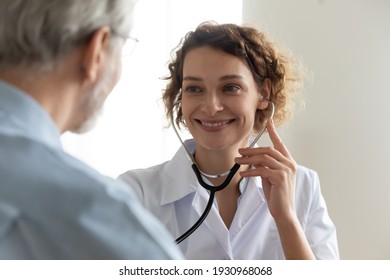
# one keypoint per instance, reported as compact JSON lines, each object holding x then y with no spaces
{"x":214,"y":124}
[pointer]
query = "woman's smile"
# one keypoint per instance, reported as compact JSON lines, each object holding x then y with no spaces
{"x":214,"y":125}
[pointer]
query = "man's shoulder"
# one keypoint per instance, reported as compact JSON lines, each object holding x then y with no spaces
{"x":39,"y":170}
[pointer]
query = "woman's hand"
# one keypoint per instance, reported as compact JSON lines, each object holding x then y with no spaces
{"x":277,"y":169}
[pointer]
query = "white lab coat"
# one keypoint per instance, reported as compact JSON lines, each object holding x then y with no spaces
{"x":172,"y":193}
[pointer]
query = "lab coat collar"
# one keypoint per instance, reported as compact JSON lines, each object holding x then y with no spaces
{"x":184,"y":176}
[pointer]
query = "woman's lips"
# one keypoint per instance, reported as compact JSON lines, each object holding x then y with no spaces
{"x":214,"y":125}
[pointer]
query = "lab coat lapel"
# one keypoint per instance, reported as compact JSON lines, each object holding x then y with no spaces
{"x":178,"y":179}
{"x":251,"y":201}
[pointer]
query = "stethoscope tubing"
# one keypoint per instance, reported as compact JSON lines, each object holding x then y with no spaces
{"x":212,"y":189}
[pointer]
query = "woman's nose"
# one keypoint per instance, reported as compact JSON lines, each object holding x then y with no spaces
{"x":212,"y":104}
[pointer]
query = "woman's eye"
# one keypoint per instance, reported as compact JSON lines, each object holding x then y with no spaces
{"x":193,"y":89}
{"x":231,"y":88}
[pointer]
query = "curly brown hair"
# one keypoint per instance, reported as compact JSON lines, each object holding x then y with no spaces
{"x":263,"y":57}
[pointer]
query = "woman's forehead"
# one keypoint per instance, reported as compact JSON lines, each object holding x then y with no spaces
{"x":206,"y":61}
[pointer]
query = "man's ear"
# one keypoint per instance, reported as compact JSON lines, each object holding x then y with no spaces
{"x":265,"y":93}
{"x":95,"y":52}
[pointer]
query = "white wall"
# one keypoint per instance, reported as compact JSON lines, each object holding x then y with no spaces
{"x":344,"y":131}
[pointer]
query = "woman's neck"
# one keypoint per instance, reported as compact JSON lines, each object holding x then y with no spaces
{"x":216,"y":162}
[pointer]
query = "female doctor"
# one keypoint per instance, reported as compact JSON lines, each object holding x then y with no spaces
{"x":224,"y":82}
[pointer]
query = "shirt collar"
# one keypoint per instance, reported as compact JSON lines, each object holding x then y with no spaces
{"x":26,"y":117}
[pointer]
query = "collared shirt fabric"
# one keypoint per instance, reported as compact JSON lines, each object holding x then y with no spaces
{"x":172,"y":193}
{"x":53,"y":206}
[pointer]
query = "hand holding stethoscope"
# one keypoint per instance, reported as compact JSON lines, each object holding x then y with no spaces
{"x":277,"y":169}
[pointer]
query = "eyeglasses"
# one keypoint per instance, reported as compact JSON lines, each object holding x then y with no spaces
{"x":129,"y":44}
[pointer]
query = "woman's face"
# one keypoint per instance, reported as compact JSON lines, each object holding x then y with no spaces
{"x":219,"y":100}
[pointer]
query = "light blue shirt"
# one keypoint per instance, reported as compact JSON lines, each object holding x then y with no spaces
{"x":52,"y":206}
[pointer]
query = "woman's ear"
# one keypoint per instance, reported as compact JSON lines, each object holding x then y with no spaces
{"x":265,"y":94}
{"x":95,"y":52}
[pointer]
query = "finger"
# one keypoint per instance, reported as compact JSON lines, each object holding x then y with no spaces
{"x":261,"y":160}
{"x":261,"y":171}
{"x":276,"y":140}
{"x":250,"y":152}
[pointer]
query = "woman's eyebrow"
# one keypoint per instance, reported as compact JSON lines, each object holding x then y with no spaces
{"x":192,"y":78}
{"x":232,"y":76}
{"x":225,"y":77}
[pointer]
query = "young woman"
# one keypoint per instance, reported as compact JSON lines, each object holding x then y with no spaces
{"x":223,"y":84}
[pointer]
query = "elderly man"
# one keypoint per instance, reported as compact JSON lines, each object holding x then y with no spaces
{"x":59,"y":60}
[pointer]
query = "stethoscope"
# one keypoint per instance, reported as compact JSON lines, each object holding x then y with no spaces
{"x":212,"y":189}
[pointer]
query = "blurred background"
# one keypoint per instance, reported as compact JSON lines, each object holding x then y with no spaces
{"x":342,"y":133}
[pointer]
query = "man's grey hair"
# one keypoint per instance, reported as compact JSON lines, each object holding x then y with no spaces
{"x":39,"y":32}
